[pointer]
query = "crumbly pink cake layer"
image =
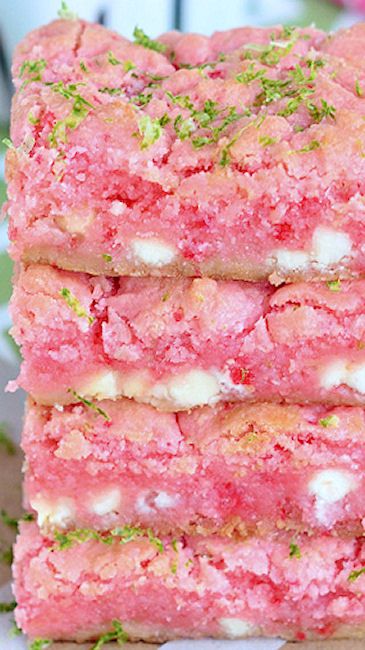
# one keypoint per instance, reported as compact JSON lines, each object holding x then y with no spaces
{"x":239,"y":155}
{"x":232,"y":469}
{"x":180,"y":343}
{"x":195,"y":587}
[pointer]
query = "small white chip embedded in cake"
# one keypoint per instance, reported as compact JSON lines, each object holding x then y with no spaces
{"x":142,"y":506}
{"x":153,"y":251}
{"x":236,"y":627}
{"x":334,"y":374}
{"x":329,"y":246}
{"x":75,"y":224}
{"x":117,"y":208}
{"x":161,"y":501}
{"x":106,"y":502}
{"x":291,"y":260}
{"x":341,"y":372}
{"x":193,"y":388}
{"x":103,"y":386}
{"x":356,"y":378}
{"x":135,"y":385}
{"x":331,"y":485}
{"x":59,"y":513}
{"x":190,"y":389}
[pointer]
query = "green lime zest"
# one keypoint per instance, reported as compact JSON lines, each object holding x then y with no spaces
{"x":79,"y":111}
{"x":294,"y":551}
{"x":31,"y":71}
{"x":151,"y":129}
{"x":74,"y":304}
{"x":354,"y":575}
{"x":90,"y":404}
{"x":40,"y":644}
{"x":121,"y":534}
{"x":116,"y":634}
{"x":141,"y":38}
{"x":65,"y":12}
{"x":334,"y":285}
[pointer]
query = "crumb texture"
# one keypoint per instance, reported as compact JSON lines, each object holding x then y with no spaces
{"x":229,"y":469}
{"x":196,"y":586}
{"x":180,"y":343}
{"x":243,"y":152}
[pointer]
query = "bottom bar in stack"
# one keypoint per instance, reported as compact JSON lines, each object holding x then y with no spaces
{"x":151,"y":589}
{"x":128,"y":499}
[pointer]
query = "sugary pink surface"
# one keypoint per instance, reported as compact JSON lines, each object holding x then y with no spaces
{"x":233,"y":469}
{"x":191,"y":588}
{"x":181,"y":343}
{"x":83,"y":202}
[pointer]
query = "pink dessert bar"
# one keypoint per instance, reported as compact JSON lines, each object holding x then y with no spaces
{"x":231,"y":469}
{"x":239,"y":155}
{"x":180,"y":343}
{"x":190,"y":587}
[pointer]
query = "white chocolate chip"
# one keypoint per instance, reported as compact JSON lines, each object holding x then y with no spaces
{"x":103,"y":386}
{"x":236,"y":628}
{"x":341,"y":372}
{"x":59,"y":513}
{"x":356,"y":378}
{"x":291,"y":260}
{"x":193,"y":388}
{"x":187,"y":390}
{"x":142,"y":507}
{"x":329,"y":246}
{"x":106,"y":502}
{"x":331,"y":485}
{"x":153,"y":252}
{"x":164,"y":500}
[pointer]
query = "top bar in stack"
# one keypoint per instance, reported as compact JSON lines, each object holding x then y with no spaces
{"x":236,"y":156}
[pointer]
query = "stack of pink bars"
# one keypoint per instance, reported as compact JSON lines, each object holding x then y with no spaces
{"x":187,"y":217}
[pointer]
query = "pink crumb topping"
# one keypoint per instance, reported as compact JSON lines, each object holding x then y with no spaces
{"x":134,"y":161}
